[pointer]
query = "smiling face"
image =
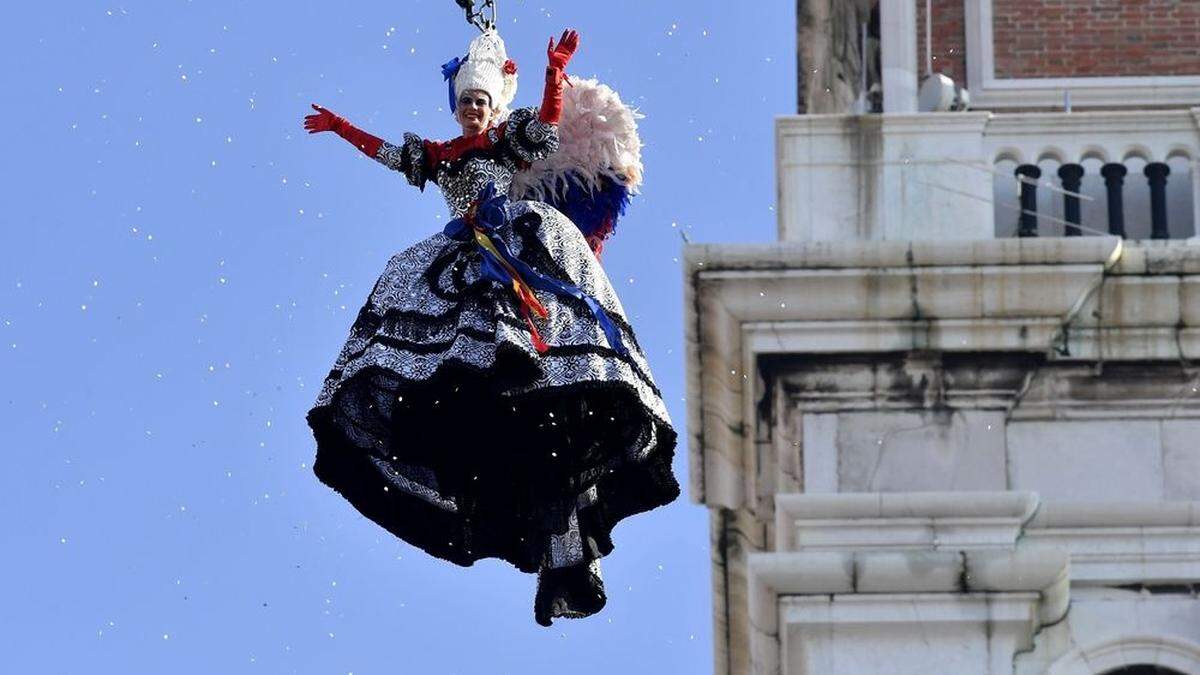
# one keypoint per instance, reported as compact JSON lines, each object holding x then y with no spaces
{"x":474,"y":112}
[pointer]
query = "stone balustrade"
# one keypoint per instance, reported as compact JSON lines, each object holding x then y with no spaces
{"x":980,"y":175}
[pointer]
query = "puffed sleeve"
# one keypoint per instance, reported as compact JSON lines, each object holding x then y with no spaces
{"x":411,"y":158}
{"x":528,"y":139}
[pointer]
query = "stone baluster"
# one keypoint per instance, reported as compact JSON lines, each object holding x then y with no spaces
{"x":1114,"y":180}
{"x":1028,"y":174}
{"x":1071,"y":176}
{"x":1156,"y":174}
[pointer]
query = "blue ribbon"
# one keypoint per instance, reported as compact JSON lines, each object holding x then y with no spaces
{"x":490,"y":214}
{"x":449,"y":70}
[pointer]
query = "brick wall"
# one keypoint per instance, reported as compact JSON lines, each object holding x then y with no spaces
{"x":948,"y":38}
{"x":1094,"y":38}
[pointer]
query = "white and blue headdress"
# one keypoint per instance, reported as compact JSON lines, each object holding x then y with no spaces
{"x":486,"y":67}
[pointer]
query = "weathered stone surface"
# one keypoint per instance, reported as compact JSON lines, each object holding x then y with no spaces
{"x":928,"y":450}
{"x":939,"y":372}
{"x":1181,"y":459}
{"x":1110,"y":628}
{"x":820,"y":453}
{"x":1087,"y":461}
{"x":928,"y":176}
{"x":905,"y":633}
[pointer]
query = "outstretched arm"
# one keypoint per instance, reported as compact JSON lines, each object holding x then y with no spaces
{"x":558,"y":57}
{"x":324,"y":120}
{"x":410,"y":158}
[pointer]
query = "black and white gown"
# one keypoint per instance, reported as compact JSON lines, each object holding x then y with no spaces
{"x":442,"y":423}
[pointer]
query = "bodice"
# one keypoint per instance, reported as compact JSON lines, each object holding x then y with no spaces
{"x":461,"y":184}
{"x":464,"y":166}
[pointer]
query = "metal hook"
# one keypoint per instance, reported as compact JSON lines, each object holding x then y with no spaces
{"x":483,"y":18}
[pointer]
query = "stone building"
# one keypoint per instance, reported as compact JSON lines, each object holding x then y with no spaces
{"x":950,"y":421}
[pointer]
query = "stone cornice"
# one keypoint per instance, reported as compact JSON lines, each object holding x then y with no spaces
{"x":743,"y":301}
{"x":1121,"y":543}
{"x":883,"y":254}
{"x":1029,"y":584}
{"x":900,"y":521}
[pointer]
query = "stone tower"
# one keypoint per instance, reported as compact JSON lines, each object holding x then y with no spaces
{"x":950,"y":421}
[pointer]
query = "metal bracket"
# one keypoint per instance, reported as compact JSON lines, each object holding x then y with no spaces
{"x":482,"y":17}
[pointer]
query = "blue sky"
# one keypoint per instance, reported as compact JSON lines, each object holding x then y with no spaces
{"x":180,"y":264}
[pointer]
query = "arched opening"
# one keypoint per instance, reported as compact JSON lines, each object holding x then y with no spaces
{"x":1132,"y":655}
{"x":1143,"y":669}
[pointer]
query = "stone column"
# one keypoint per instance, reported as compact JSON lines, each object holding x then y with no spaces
{"x":1071,"y":176}
{"x":898,"y":31}
{"x":1028,"y":174}
{"x":1156,"y":174}
{"x":1114,"y":181}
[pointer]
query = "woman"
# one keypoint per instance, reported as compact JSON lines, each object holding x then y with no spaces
{"x":451,"y":417}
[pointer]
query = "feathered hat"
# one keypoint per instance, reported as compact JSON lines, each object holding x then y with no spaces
{"x":486,"y":67}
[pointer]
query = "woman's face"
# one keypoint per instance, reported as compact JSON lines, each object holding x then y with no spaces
{"x":474,"y":112}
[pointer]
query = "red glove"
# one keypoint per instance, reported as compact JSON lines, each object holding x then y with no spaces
{"x":558,"y":58}
{"x":325,"y":120}
{"x":560,"y":55}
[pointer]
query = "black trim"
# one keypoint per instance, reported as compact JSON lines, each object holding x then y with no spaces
{"x":455,"y":426}
{"x":569,"y":592}
{"x":481,"y":336}
{"x":521,"y":148}
{"x":465,"y":252}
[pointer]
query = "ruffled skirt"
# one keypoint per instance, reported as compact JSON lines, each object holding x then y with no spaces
{"x":442,"y":423}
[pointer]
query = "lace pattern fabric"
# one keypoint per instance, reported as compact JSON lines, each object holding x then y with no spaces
{"x":419,"y":315}
{"x":566,"y":549}
{"x":529,"y":139}
{"x":408,"y":158}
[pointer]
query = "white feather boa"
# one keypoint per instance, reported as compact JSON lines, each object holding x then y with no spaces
{"x":598,"y":138}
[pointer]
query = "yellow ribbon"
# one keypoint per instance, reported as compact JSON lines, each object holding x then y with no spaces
{"x":520,"y":288}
